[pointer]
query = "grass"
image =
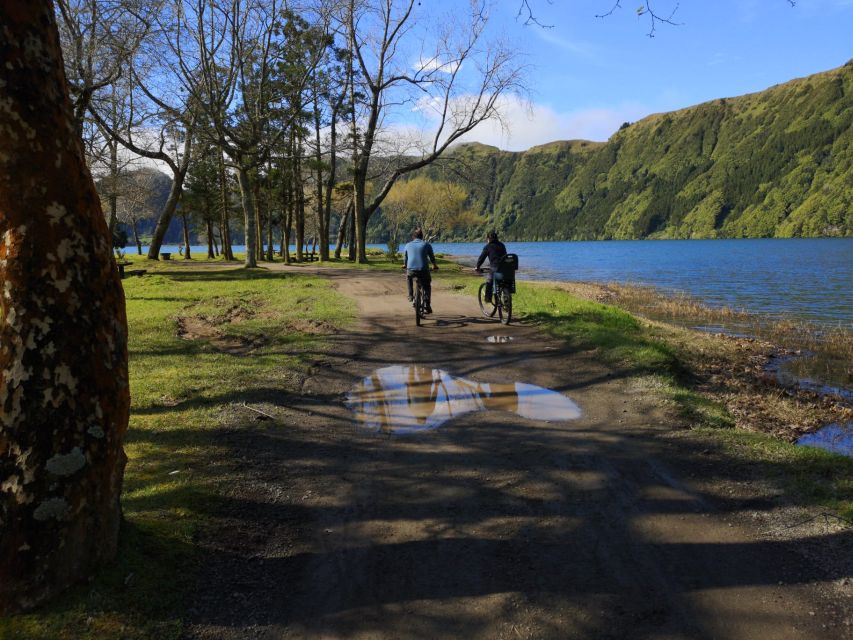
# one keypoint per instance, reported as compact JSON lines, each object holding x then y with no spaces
{"x":814,"y":476}
{"x":179,"y":389}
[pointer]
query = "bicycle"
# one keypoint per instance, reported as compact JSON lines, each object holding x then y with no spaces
{"x":501,"y":301}
{"x":419,"y":300}
{"x":504,"y":287}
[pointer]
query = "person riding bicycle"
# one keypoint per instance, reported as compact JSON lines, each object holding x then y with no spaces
{"x":495,"y":251}
{"x":416,"y":258}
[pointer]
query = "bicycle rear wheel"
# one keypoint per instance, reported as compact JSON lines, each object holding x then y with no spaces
{"x":488,"y":309}
{"x":418,"y":303}
{"x":505,"y":307}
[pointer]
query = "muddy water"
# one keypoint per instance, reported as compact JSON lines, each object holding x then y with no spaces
{"x":837,"y":438}
{"x":499,"y":339}
{"x":406,"y":399}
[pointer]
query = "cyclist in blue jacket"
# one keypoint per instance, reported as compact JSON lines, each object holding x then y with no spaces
{"x":416,"y":258}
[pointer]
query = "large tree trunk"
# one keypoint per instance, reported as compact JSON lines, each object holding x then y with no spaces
{"x":248,"y":216}
{"x":63,"y":363}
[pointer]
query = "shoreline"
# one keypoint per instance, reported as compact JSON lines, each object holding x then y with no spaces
{"x":732,"y":367}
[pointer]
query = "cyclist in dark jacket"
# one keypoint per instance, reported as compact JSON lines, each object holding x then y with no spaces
{"x":494,"y":251}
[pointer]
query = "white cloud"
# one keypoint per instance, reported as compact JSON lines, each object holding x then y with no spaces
{"x":530,"y":125}
{"x":522,"y":125}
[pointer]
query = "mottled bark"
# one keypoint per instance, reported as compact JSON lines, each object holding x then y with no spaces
{"x":64,"y":396}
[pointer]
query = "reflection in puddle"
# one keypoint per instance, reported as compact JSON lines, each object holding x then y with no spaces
{"x":499,"y":339}
{"x":406,"y":399}
{"x":837,"y":438}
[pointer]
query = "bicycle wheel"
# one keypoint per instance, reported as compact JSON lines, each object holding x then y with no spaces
{"x":488,"y":309}
{"x":505,"y":307}
{"x":418,"y":303}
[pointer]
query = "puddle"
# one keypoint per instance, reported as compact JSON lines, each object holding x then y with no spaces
{"x":837,"y":438}
{"x":499,"y":339}
{"x":793,"y":371}
{"x":407,"y":399}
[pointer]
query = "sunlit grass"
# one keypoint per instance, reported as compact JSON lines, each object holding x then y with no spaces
{"x":179,"y":388}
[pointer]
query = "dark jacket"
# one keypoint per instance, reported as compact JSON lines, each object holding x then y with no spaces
{"x":495,"y":250}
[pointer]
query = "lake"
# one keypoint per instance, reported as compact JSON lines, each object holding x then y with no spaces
{"x":808,"y":278}
{"x":804,"y":278}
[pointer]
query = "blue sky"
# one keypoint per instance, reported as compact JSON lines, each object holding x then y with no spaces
{"x":589,"y":75}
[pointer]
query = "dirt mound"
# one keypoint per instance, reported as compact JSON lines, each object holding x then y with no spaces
{"x":195,"y":328}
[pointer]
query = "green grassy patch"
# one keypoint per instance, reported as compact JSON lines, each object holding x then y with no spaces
{"x":179,"y":388}
{"x":815,"y":476}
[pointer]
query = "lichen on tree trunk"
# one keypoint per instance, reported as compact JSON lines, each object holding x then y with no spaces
{"x":64,"y":397}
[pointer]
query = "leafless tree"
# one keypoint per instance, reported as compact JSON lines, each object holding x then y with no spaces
{"x":99,"y":40}
{"x":227,"y":56}
{"x":133,"y":202}
{"x":157,"y":119}
{"x":456,"y":82}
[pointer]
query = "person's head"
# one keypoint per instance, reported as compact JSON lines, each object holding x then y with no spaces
{"x":492,"y":236}
{"x":418,"y":234}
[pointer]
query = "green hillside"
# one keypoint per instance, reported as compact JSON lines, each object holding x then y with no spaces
{"x":775,"y":163}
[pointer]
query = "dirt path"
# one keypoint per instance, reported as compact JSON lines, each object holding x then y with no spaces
{"x":495,"y":525}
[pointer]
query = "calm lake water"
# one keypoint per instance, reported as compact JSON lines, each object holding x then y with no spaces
{"x":803,"y":278}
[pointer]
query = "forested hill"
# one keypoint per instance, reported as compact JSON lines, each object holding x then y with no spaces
{"x":774,"y":163}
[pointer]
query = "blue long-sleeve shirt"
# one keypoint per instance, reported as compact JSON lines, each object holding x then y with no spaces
{"x":417,"y":255}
